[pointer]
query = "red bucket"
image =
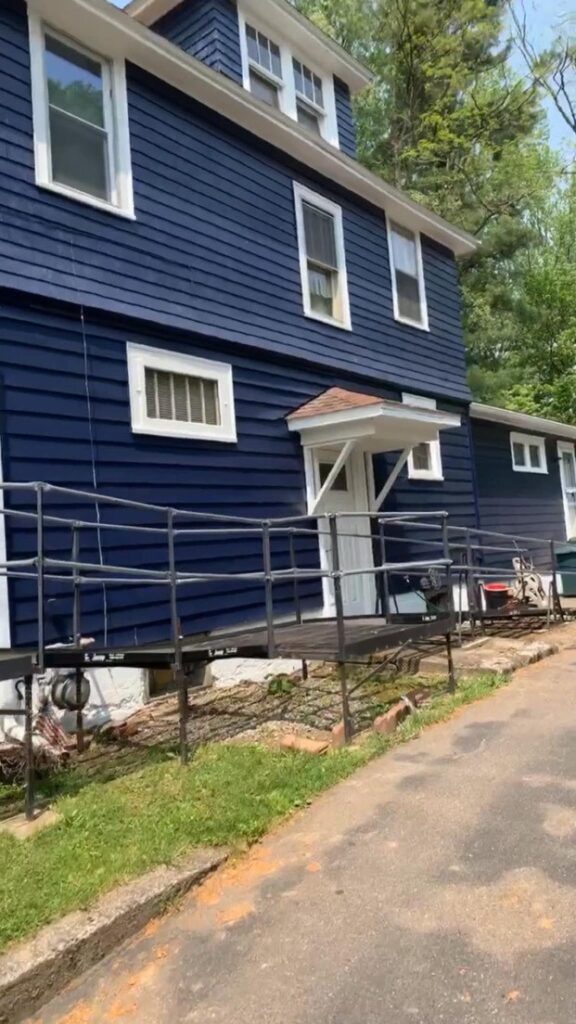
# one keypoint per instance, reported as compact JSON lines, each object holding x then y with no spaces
{"x":496,"y":595}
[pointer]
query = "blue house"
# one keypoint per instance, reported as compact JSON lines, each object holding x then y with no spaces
{"x":207,"y":302}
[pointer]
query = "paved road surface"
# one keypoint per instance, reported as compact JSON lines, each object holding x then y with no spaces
{"x":435,"y":887}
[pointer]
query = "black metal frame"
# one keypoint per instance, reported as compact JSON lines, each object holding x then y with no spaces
{"x":344,"y":637}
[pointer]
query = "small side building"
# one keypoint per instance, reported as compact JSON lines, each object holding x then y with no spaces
{"x":525,"y":468}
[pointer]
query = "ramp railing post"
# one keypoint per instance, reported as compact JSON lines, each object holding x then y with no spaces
{"x":183,"y":709}
{"x":268,"y":584}
{"x":29,"y":748}
{"x":76,"y":634}
{"x":385,"y":583}
{"x":297,"y":605}
{"x":450,"y":601}
{"x":40,"y":595}
{"x":340,"y":626}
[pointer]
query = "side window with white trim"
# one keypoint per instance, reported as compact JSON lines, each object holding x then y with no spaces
{"x":81,"y":133}
{"x":528,"y":453}
{"x":322,"y":258}
{"x":425,"y":459}
{"x":406,"y":267}
{"x":177,"y":395}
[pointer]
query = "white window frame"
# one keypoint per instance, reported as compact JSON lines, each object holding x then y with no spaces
{"x":287,"y":96}
{"x":301,"y":195}
{"x":143,"y":357}
{"x":436,"y":471}
{"x":116,"y":119}
{"x":423,"y":325}
{"x":526,"y":440}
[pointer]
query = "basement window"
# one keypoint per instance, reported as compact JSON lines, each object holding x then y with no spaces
{"x":177,"y":395}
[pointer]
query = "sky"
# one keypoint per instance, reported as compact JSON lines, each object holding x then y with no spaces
{"x":545,"y":19}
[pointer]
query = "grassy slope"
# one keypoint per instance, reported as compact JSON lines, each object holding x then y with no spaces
{"x":228,"y":795}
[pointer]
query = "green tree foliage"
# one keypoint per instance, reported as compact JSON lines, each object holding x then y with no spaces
{"x":448,"y":121}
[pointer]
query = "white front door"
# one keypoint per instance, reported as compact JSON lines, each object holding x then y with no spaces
{"x":349,"y":493}
{"x":568,"y":480}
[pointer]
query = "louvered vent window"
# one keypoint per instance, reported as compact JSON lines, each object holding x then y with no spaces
{"x":176,"y":396}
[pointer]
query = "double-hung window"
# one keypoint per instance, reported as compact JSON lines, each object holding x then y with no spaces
{"x":310,"y":109}
{"x":425,"y":459}
{"x":81,"y":135}
{"x":528,"y":453}
{"x":287,"y":80}
{"x":408,"y":289}
{"x":322,"y":258}
{"x":265,"y":67}
{"x":178,"y":395}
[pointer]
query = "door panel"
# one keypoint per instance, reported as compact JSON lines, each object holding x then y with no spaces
{"x":568,"y":480}
{"x":349,"y":493}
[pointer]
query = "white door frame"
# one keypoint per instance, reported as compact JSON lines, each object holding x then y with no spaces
{"x":565,"y":446}
{"x":361,"y":474}
{"x":4,"y":602}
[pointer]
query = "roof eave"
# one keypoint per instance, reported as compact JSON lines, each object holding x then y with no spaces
{"x":355,"y":74}
{"x":510,"y":418}
{"x":103,"y":27}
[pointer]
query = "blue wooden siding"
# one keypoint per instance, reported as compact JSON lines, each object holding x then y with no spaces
{"x":49,"y":359}
{"x":213,"y":250}
{"x":345,"y":117}
{"x":528,"y":504}
{"x":207,"y":30}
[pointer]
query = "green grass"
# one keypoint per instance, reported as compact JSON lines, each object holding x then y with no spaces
{"x":230,"y":795}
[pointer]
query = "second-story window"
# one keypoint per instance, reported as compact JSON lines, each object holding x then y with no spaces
{"x":408,"y":290}
{"x":309,"y":97}
{"x":322,"y":257}
{"x":80,"y":121}
{"x":265,"y":67}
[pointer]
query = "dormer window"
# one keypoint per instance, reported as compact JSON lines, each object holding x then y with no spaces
{"x":309,"y":97}
{"x":292,"y":82}
{"x":265,"y":70}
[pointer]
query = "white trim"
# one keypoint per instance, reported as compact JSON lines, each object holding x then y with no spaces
{"x":303,"y":194}
{"x":521,"y":420}
{"x":108,"y":29}
{"x":391,"y":479}
{"x":142,"y":357}
{"x":563,"y":447}
{"x":362,"y":487}
{"x":4,"y":597}
{"x":423,"y":324}
{"x":116,"y":123}
{"x":289,"y":23}
{"x":527,"y":440}
{"x":436,"y":471}
{"x":346,"y":451}
{"x":287,"y":95}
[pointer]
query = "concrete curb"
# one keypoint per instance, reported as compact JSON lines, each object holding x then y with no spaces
{"x":34,"y":972}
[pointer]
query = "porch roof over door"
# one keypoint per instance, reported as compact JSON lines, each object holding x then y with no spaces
{"x":373,"y":424}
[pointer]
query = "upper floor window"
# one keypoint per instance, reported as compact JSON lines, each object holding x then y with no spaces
{"x":179,"y":395}
{"x":265,"y":67}
{"x":309,"y":97}
{"x":322,"y":258}
{"x":408,"y":288}
{"x":277,"y":76}
{"x":425,"y":459}
{"x":81,"y":136}
{"x":528,"y":453}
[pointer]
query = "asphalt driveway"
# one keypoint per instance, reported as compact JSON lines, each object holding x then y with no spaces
{"x":436,"y":886}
